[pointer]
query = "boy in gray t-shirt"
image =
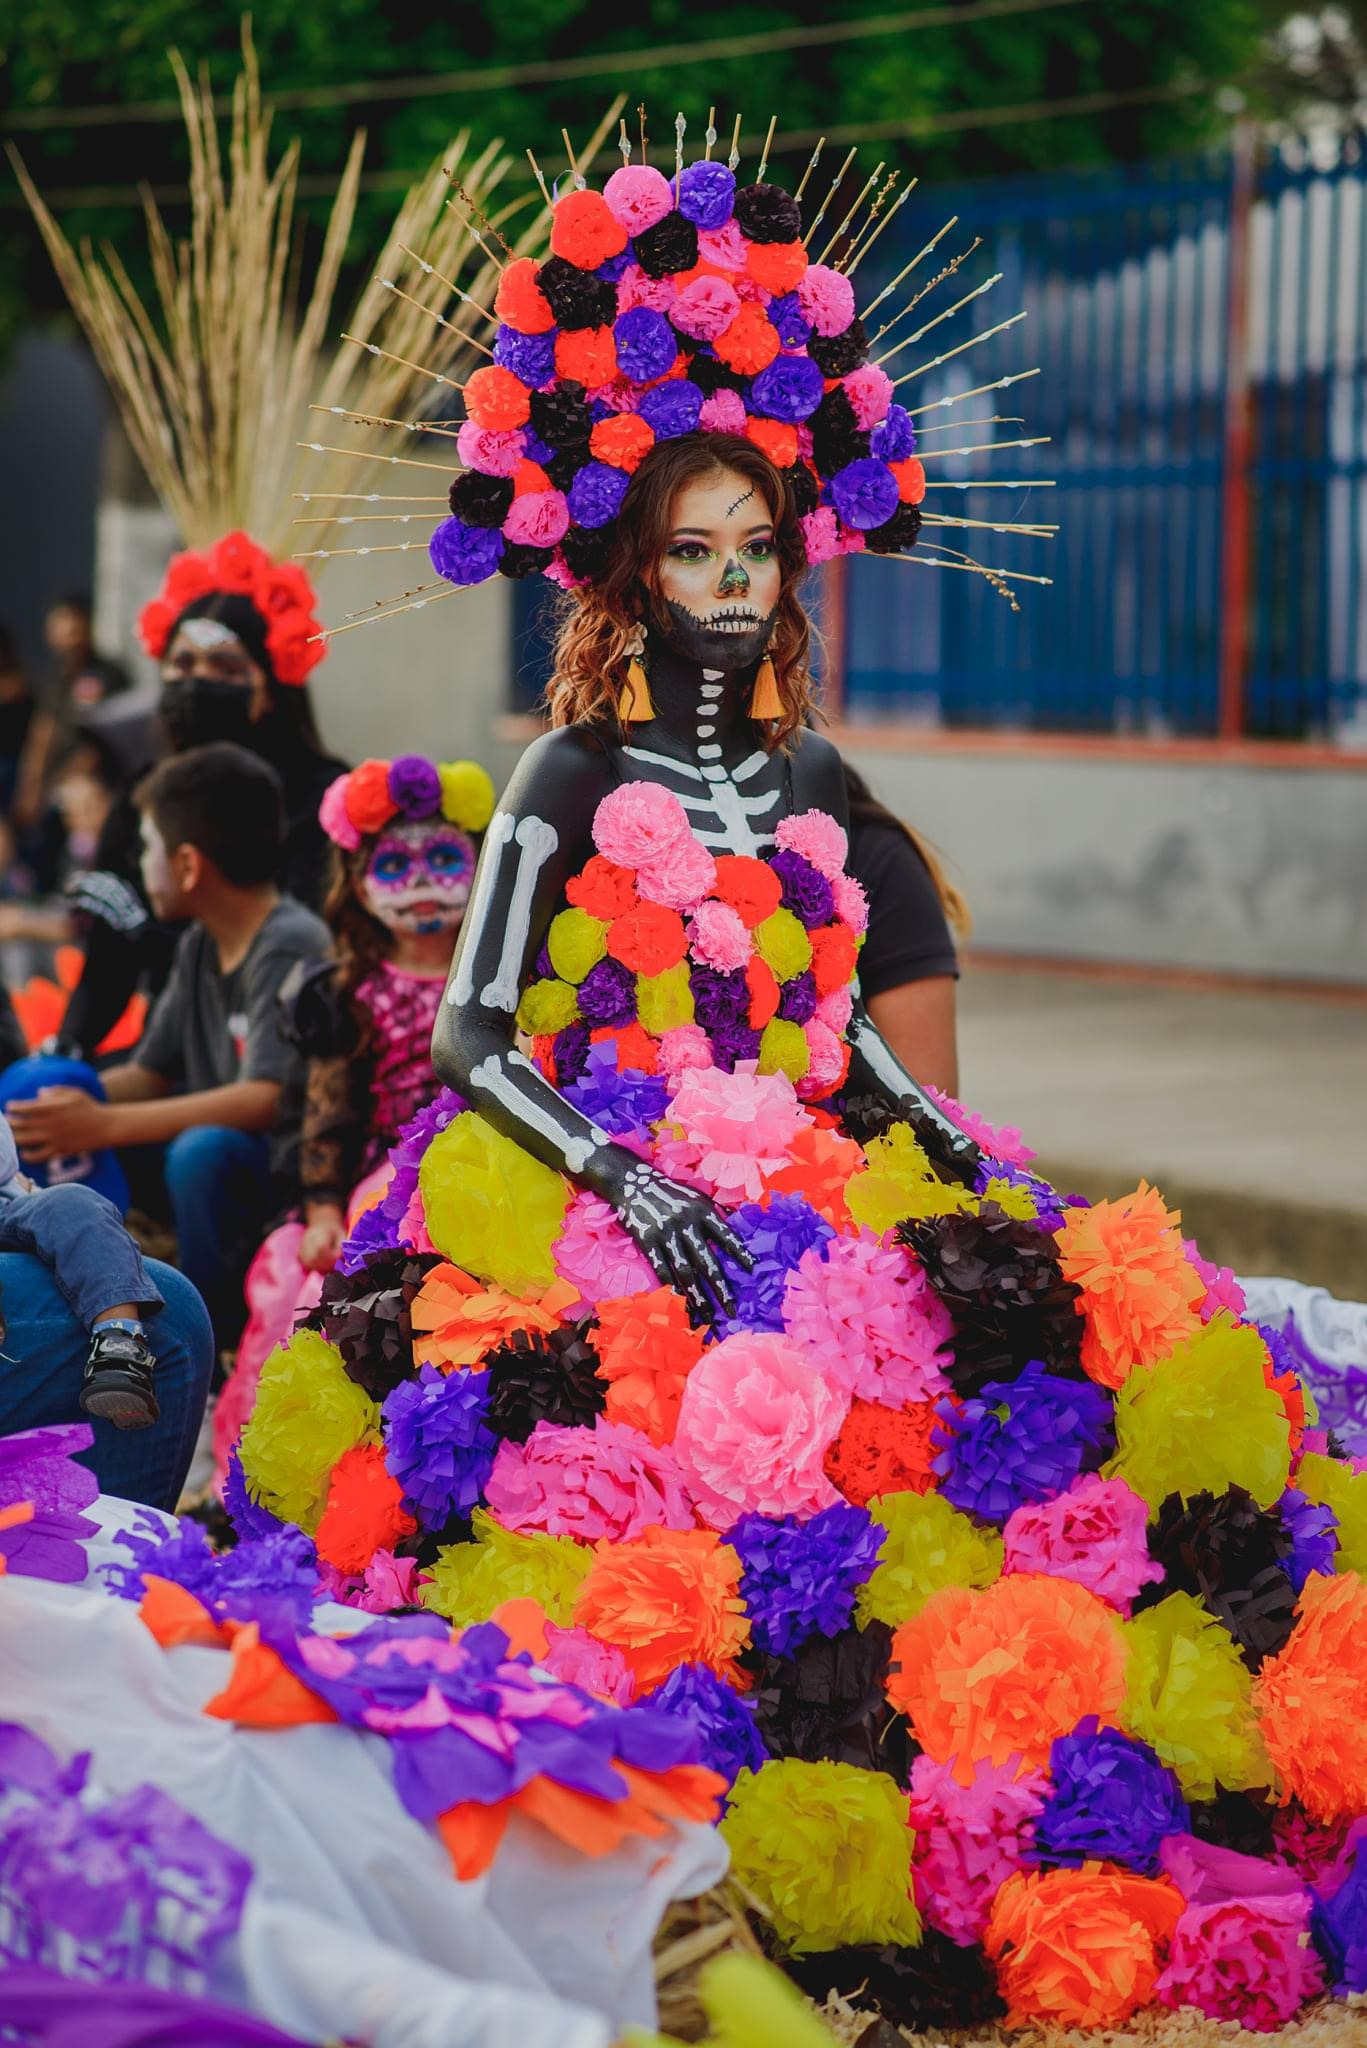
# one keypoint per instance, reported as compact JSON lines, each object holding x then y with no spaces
{"x":206,"y":1080}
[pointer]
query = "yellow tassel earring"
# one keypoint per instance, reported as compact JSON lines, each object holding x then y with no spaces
{"x":636,"y":706}
{"x":765,"y":700}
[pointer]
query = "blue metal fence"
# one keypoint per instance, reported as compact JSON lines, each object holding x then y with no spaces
{"x":1125,"y":275}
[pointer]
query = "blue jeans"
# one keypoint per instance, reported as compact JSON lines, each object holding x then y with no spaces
{"x":218,"y":1181}
{"x":80,"y":1238}
{"x":40,"y":1378}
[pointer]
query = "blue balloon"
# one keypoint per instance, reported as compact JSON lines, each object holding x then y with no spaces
{"x":99,"y":1170}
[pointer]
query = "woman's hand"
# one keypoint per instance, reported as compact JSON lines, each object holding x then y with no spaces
{"x":321,"y":1244}
{"x":682,"y":1235}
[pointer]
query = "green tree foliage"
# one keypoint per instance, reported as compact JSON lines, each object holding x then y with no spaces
{"x":1153,"y":65}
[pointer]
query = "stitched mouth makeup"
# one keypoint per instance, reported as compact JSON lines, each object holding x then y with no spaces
{"x":732,"y":637}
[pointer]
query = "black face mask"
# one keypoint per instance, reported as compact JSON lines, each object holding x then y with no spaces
{"x":198,"y":711}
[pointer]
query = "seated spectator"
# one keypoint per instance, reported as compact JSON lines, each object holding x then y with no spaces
{"x":80,"y":678}
{"x":81,"y":1239}
{"x":44,"y":1367}
{"x":207,"y":1079}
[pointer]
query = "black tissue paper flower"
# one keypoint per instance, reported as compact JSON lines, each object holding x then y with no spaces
{"x":1242,"y":1821}
{"x":936,"y":1984}
{"x":802,"y":489}
{"x":895,"y":534}
{"x":481,"y":500}
{"x":368,"y":1316}
{"x":544,"y":1376}
{"x":520,"y":559}
{"x":766,"y":213}
{"x":561,"y":417}
{"x":1233,"y":1556}
{"x":837,"y":438}
{"x":588,"y":549}
{"x":576,"y":297}
{"x":826,"y":1703}
{"x":835,"y":355}
{"x":1000,"y":1281}
{"x":672,"y":244}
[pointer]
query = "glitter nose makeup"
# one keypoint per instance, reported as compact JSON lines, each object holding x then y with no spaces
{"x":734,"y":580}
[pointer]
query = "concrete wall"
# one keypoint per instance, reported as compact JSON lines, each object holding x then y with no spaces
{"x":1223,"y":867}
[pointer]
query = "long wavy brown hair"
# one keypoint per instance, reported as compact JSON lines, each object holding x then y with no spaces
{"x":602,"y":619}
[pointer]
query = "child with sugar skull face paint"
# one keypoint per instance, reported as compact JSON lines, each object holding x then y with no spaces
{"x":406,"y":835}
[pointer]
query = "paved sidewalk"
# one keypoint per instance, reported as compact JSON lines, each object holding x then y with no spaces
{"x":1250,"y":1109}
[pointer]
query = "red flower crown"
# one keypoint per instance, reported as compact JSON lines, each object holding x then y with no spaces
{"x":238,"y":567}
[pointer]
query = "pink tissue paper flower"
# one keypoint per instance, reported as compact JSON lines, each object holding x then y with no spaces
{"x":723,"y":413}
{"x":638,"y":195}
{"x":733,"y":1128}
{"x":969,"y":1839}
{"x":595,"y":1254}
{"x":819,"y":838}
{"x":820,"y":532}
{"x":1241,"y":1950}
{"x":634,"y":289}
{"x":835,"y":1009}
{"x":1221,"y":1284}
{"x":865,"y":1315}
{"x":682,"y":878}
{"x":851,"y":903}
{"x":725,"y":246}
{"x":825,"y":1062}
{"x":560,"y":572}
{"x":1002,"y":1141}
{"x":487,"y":449}
{"x":826,"y":298}
{"x":754,"y":1424}
{"x":607,"y":1480}
{"x":638,"y":824}
{"x":705,"y":308}
{"x":332,"y":816}
{"x":719,"y":937}
{"x":869,"y":391}
{"x":1095,"y":1534}
{"x":538,"y":519}
{"x":577,"y":1658}
{"x":683,"y":1050}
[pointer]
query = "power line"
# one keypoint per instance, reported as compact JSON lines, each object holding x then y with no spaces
{"x":914,"y":129}
{"x":549,"y":71}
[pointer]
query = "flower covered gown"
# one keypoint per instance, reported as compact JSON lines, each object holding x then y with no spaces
{"x":992,"y":1552}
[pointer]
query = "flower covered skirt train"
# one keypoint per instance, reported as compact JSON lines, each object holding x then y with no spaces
{"x":988,"y":1551}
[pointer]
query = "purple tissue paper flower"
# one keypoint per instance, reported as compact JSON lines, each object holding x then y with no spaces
{"x":529,"y":356}
{"x":894,"y":438}
{"x":465,"y":554}
{"x":415,"y":786}
{"x":777,"y":1234}
{"x":247,"y":1516}
{"x":790,"y":389}
{"x":806,"y":891}
{"x":596,"y":494}
{"x":1109,"y":1798}
{"x":718,"y":998}
{"x":731,"y":1741}
{"x":272,"y":1576}
{"x":797,"y":998}
{"x":1314,"y":1536}
{"x":799,"y":1579}
{"x":671,"y":409}
{"x":707,"y":193}
{"x":1020,"y":1440}
{"x":622,"y":1103}
{"x":38,"y":1466}
{"x":1339,"y":1925}
{"x":732,"y":1043}
{"x":436,"y":1444}
{"x":864,"y":493}
{"x":646,"y":344}
{"x":607,"y":994}
{"x":792,"y":326}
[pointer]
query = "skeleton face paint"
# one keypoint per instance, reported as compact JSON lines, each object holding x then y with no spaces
{"x":720,"y":578}
{"x":418,"y":878}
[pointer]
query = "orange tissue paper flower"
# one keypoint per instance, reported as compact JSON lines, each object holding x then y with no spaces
{"x":750,"y":886}
{"x":529,"y":476}
{"x":648,"y":939}
{"x":456,"y":1319}
{"x":262,"y":1691}
{"x":585,"y":231}
{"x":1080,"y":1948}
{"x":776,"y":265}
{"x":911,"y":480}
{"x":762,"y":983}
{"x":646,"y":1349}
{"x":1140,"y":1293}
{"x":496,"y":399}
{"x":1001,"y":1672}
{"x":819,"y":1167}
{"x":834,"y":953}
{"x":750,"y":343}
{"x":623,"y":440}
{"x":775,"y":438}
{"x":364,"y":1511}
{"x":603,"y":889}
{"x":520,"y":301}
{"x":670,"y":1597}
{"x":367,"y":801}
{"x":587,"y":354}
{"x":882,"y":1450}
{"x":633,"y":1045}
{"x":1311,"y":1700}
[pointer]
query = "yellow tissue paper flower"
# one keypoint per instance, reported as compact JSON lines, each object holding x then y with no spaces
{"x":783,"y":1049}
{"x":308,"y":1414}
{"x":664,"y":1001}
{"x":928,"y":1545}
{"x":1190,"y":1695}
{"x":547,"y":1006}
{"x":783,"y":944}
{"x":469,"y":1580}
{"x":1331,"y":1484}
{"x":467,"y":794}
{"x":1013,"y":1199}
{"x":826,"y":1850}
{"x":900,"y":1183}
{"x":1203,"y":1419}
{"x":576,"y":942}
{"x":490,"y":1207}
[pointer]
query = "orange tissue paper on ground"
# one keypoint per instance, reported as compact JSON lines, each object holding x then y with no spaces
{"x":1140,"y":1293}
{"x":174,"y":1617}
{"x":999,"y":1673}
{"x":1079,"y":1948}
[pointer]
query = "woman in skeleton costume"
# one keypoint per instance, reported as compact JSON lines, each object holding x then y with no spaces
{"x":733,"y":1375}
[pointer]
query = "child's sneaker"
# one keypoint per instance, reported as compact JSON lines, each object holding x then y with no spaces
{"x":117,"y":1385}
